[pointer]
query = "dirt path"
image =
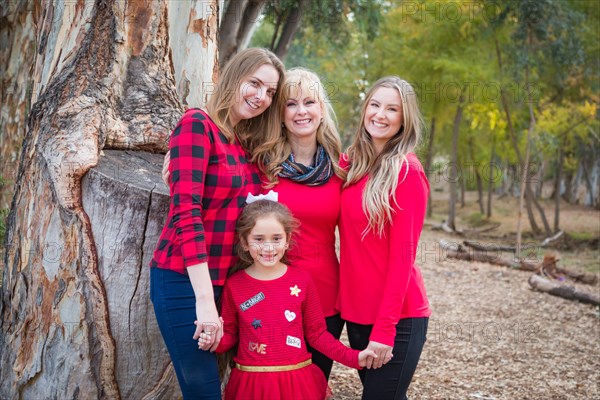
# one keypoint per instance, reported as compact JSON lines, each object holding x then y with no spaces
{"x":491,"y":337}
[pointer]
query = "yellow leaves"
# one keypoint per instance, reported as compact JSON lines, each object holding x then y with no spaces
{"x":588,"y":109}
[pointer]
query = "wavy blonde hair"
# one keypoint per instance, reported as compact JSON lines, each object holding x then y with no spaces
{"x":384,"y":168}
{"x":276,"y":147}
{"x":250,"y":131}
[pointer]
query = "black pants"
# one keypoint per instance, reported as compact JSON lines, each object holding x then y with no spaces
{"x":335,"y":325}
{"x":391,"y":381}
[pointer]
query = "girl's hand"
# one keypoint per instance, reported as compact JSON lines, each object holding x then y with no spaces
{"x":210,"y":325}
{"x":165,"y":170}
{"x":205,"y":340}
{"x":383,"y":352}
{"x":364,"y":355}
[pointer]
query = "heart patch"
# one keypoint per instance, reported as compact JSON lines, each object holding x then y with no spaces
{"x":290,"y":315}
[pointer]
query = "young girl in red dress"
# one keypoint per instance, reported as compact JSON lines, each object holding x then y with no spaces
{"x":268,"y":309}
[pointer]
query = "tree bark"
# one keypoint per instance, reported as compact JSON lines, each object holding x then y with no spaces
{"x":491,"y":179}
{"x":429,"y":164}
{"x":589,"y":201}
{"x":477,"y":177}
{"x":233,"y":18}
{"x":559,"y":167}
{"x":538,"y":179}
{"x":291,"y":25}
{"x":454,"y":169}
{"x":479,"y":191}
{"x":249,"y":24}
{"x":463,"y":189}
{"x":76,"y":320}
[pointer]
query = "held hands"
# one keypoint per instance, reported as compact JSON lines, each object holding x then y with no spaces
{"x":209,"y":327}
{"x":383,"y":354}
{"x":364,"y":355}
{"x":165,"y":169}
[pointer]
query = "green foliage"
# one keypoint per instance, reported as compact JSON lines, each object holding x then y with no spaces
{"x":448,"y":47}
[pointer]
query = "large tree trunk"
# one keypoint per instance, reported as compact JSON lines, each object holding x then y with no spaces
{"x":76,"y":320}
{"x":454,"y":169}
{"x":291,"y":25}
{"x":239,"y":21}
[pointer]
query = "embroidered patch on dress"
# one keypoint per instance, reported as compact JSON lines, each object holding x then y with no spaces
{"x":257,"y":347}
{"x":257,"y":323}
{"x":290,"y":315}
{"x":293,"y":341}
{"x":250,"y":302}
{"x":294,"y":291}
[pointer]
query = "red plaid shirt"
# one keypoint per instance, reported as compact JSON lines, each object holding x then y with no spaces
{"x":210,"y":179}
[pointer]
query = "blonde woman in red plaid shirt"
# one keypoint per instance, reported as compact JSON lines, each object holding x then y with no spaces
{"x":210,"y":176}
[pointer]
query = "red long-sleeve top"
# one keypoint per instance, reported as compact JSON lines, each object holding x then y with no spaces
{"x":210,"y":179}
{"x":313,"y":248}
{"x":270,"y":319}
{"x":379,"y":281}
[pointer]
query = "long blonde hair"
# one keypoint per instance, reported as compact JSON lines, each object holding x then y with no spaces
{"x":251,"y":131}
{"x":276,"y":147}
{"x":384,"y":168}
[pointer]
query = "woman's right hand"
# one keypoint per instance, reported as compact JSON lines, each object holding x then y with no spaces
{"x":165,"y":169}
{"x":209,"y":326}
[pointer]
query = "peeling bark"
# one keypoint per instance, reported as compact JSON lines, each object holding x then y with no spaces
{"x":76,"y":319}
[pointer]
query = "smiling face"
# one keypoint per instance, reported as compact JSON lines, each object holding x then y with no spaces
{"x":255,"y":94}
{"x":267,"y":242}
{"x":383,"y":116}
{"x":302,"y":114}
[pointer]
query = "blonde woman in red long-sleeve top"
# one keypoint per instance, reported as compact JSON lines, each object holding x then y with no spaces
{"x":301,"y":164}
{"x":382,"y":295}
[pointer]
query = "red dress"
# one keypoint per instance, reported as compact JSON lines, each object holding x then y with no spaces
{"x":269,"y":321}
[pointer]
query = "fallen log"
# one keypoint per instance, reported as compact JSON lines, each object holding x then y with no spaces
{"x":551,"y":239}
{"x":455,"y":250}
{"x":499,"y":247}
{"x":582,"y":277}
{"x":567,"y":292}
{"x":495,"y":247}
{"x":444,"y":227}
{"x":483,"y":229}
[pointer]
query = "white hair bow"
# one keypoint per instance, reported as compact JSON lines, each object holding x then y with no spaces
{"x":272,"y":196}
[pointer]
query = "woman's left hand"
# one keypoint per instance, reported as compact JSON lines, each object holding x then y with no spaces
{"x":383,"y":352}
{"x":165,"y":169}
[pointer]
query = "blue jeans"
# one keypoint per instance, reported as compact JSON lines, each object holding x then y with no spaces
{"x":175,"y":307}
{"x":391,"y":381}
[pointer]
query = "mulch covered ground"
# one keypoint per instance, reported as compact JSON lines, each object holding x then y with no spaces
{"x":492,"y":337}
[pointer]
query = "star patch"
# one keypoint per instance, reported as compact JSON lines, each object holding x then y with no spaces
{"x":294,"y":291}
{"x":257,"y":323}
